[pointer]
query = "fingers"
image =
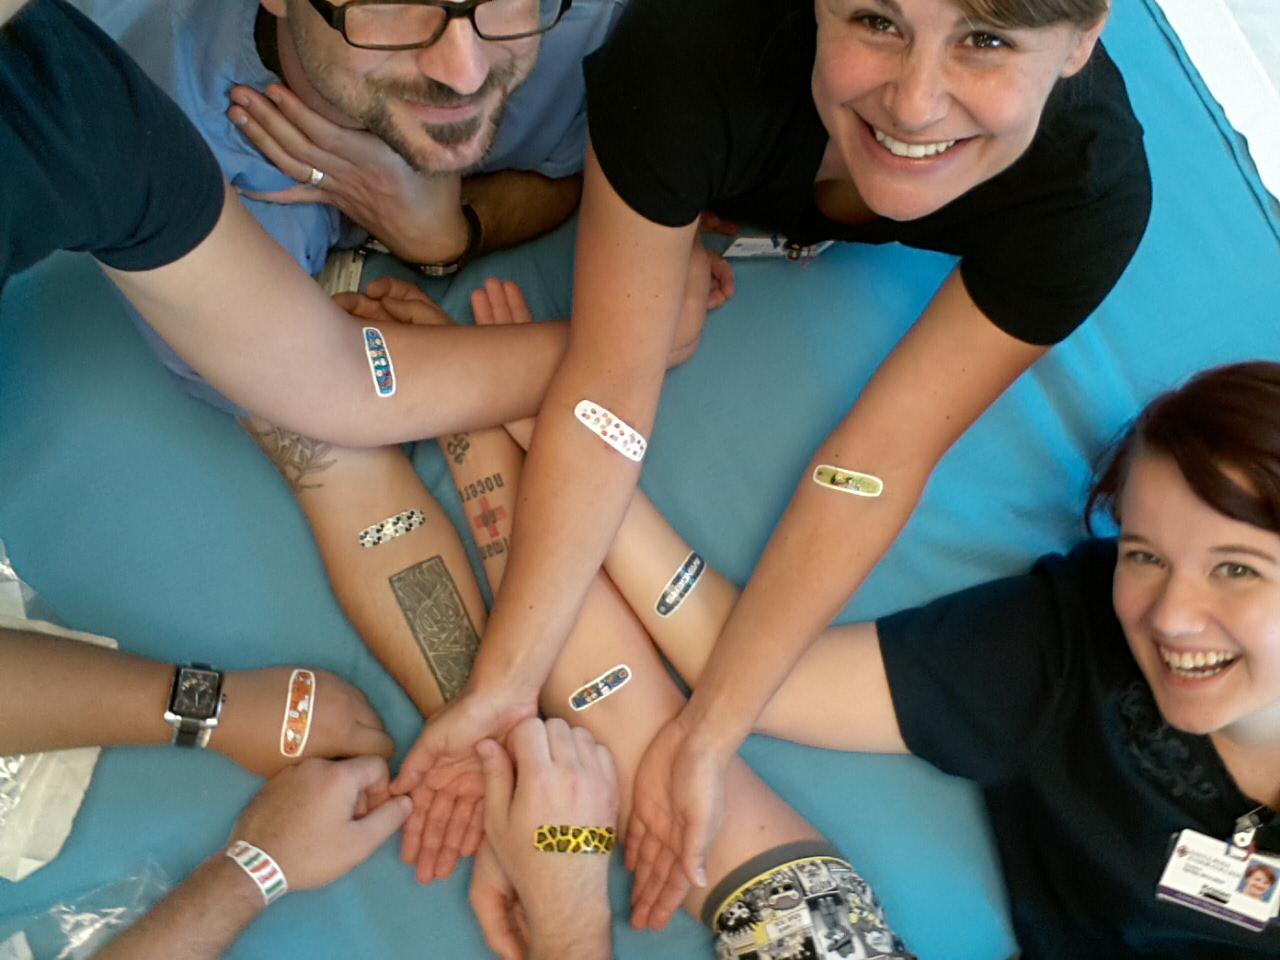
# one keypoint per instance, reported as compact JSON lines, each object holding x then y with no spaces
{"x":499,"y":780}
{"x":411,"y":834}
{"x":433,"y":858}
{"x":271,"y":122}
{"x":667,"y":899}
{"x":298,"y":193}
{"x":499,"y":302}
{"x":396,"y":288}
{"x":723,"y":282}
{"x":695,"y":840}
{"x":475,"y":831}
{"x":491,"y":899}
{"x":380,"y":823}
{"x":529,"y":742}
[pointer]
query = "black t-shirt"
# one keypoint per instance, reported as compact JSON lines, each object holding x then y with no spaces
{"x":708,"y":105}
{"x":1027,"y":686}
{"x":95,"y":156}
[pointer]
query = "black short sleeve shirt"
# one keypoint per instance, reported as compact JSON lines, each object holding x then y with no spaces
{"x":1027,"y":686}
{"x":96,"y":157}
{"x":708,"y":106}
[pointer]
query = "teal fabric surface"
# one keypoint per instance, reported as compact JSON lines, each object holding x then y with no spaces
{"x":139,"y":513}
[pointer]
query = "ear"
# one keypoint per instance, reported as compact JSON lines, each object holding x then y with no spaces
{"x":276,"y":8}
{"x":1085,"y":40}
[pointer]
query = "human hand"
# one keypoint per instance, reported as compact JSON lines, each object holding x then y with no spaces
{"x":309,"y":818}
{"x":497,"y":303}
{"x":343,"y":724}
{"x":677,"y":808}
{"x":497,"y":907}
{"x":419,"y":218}
{"x":441,"y":772}
{"x":555,"y":775}
{"x":393,"y":300}
{"x":708,"y":284}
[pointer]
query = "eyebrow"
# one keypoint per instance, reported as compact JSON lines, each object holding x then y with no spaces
{"x":890,"y":5}
{"x":1223,"y":549}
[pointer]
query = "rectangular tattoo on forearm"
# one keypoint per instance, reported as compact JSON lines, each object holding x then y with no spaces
{"x":438,"y":620}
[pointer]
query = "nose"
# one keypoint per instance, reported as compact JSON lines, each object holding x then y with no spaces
{"x":1177,"y":610}
{"x":918,"y":97}
{"x":457,"y":59}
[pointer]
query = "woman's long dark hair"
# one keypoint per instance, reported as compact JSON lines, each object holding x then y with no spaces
{"x":1224,"y":418}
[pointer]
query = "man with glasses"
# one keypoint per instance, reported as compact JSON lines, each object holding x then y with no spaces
{"x":435,"y":130}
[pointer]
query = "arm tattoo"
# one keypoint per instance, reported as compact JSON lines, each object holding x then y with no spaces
{"x":438,"y":620}
{"x":457,"y":446}
{"x":294,"y":455}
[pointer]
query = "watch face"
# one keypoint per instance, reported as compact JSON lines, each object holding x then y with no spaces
{"x":196,"y":694}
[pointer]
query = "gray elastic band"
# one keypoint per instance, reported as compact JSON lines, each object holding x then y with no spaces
{"x":759,"y":865}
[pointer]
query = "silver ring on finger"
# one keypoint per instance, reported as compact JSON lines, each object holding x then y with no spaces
{"x":316,"y":178}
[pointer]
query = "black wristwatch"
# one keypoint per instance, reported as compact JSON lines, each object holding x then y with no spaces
{"x":195,"y":701}
{"x":475,"y":235}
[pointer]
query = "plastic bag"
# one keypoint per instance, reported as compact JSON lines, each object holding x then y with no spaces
{"x":77,"y":929}
{"x":40,"y":793}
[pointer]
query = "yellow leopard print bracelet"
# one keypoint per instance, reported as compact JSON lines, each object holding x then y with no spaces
{"x":567,"y":839}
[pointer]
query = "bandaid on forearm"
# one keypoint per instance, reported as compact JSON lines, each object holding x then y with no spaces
{"x":600,"y":687}
{"x":626,"y":440}
{"x":562,"y":838}
{"x":680,"y":585}
{"x":392,"y":527}
{"x":300,"y":704}
{"x":384,"y":374}
{"x":850,"y":481}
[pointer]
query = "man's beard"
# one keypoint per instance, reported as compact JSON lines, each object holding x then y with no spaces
{"x":482,"y":128}
{"x":367,"y":102}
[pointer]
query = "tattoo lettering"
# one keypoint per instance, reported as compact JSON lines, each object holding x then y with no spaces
{"x":486,"y":521}
{"x":480,"y":487}
{"x":457,"y":446}
{"x":433,"y":608}
{"x":493,"y":549}
{"x":294,"y":455}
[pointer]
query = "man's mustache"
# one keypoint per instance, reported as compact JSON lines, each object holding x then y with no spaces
{"x":432,"y":93}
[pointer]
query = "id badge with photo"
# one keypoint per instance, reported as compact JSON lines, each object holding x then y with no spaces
{"x":1234,"y":883}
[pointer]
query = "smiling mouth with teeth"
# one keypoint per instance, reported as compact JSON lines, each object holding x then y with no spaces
{"x":913,"y":150}
{"x":1198,"y":665}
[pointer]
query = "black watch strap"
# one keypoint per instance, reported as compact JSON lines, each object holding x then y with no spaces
{"x":475,"y":236}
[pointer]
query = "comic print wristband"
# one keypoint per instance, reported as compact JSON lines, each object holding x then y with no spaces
{"x":384,"y":374}
{"x":298,"y":706}
{"x":561,"y":838}
{"x":627,"y":441}
{"x":850,"y":481}
{"x":264,"y":871}
{"x":392,"y":527}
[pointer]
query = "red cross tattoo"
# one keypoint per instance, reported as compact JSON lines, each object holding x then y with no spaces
{"x":488,"y":518}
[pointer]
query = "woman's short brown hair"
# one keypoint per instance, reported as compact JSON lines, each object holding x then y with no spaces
{"x":1224,"y":419}
{"x":1034,"y":13}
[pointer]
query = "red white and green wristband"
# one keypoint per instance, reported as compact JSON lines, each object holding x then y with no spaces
{"x":262,"y":870}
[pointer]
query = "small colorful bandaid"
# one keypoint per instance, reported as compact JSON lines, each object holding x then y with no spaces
{"x":681,"y":585}
{"x":611,"y":430}
{"x":600,"y":687}
{"x":392,"y":527}
{"x":850,"y":481}
{"x":298,"y":707}
{"x":562,"y":838}
{"x":384,"y":374}
{"x":264,"y":871}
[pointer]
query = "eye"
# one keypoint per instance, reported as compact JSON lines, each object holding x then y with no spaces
{"x":1142,"y":558}
{"x":1230,"y":570}
{"x":986,"y":41}
{"x":875,"y":22}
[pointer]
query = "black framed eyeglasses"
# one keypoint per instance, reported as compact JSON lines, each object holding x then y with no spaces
{"x":410,"y":24}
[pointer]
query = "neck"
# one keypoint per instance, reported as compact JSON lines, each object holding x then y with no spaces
{"x":834,"y":192}
{"x":1252,"y":757}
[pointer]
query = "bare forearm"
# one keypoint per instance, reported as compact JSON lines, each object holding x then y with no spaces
{"x":583,"y":932}
{"x":309,"y":369}
{"x":56,"y":694}
{"x":517,"y":205}
{"x":199,"y":920}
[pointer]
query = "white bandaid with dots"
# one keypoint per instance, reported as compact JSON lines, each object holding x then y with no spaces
{"x":611,"y":430}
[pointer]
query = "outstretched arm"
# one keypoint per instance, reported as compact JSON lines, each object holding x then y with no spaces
{"x":947,"y":369}
{"x":272,"y":342}
{"x":308,"y":819}
{"x":120,"y":699}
